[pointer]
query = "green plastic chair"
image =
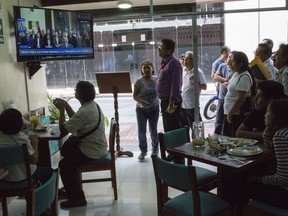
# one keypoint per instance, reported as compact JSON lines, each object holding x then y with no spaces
{"x":207,"y":179}
{"x":10,"y":155}
{"x":191,"y":202}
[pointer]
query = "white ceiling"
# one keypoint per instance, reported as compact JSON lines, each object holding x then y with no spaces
{"x":136,"y":3}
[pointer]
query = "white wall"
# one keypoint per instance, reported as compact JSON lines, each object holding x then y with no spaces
{"x":243,"y":31}
{"x":13,"y":75}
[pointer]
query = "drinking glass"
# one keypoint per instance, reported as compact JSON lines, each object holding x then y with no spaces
{"x":198,"y":130}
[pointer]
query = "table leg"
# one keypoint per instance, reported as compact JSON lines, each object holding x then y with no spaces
{"x":44,"y":157}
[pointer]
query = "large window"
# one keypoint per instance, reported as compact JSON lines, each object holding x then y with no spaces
{"x":124,"y":44}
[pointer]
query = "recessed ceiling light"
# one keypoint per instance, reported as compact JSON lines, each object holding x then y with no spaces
{"x":124,"y":4}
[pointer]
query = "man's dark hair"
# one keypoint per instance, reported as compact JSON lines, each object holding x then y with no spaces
{"x":271,"y":89}
{"x":169,"y":44}
{"x":269,"y":42}
{"x":224,"y":49}
{"x":11,"y":121}
{"x":265,"y":48}
{"x":182,"y":56}
{"x":86,"y":91}
{"x":284,"y":49}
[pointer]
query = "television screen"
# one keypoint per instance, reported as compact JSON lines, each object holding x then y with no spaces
{"x":46,"y":34}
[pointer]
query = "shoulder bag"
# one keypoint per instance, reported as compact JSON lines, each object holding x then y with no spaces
{"x":74,"y":141}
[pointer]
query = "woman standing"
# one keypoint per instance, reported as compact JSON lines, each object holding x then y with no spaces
{"x":147,"y":108}
{"x":273,"y":189}
{"x":237,"y":101}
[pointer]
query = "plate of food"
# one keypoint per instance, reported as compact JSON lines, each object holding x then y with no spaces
{"x":245,"y":151}
{"x":40,"y":128}
{"x":237,"y":141}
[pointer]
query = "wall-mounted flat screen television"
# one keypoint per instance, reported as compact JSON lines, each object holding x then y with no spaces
{"x":46,"y":34}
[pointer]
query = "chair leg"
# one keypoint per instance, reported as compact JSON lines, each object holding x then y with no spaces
{"x":79,"y":173}
{"x":114,"y":183}
{"x":30,"y":203}
{"x":54,"y":208}
{"x":4,"y":206}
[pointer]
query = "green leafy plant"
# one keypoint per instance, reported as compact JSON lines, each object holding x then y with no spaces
{"x":55,"y":114}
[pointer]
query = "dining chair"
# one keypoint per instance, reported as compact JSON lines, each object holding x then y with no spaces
{"x":191,"y":202}
{"x":256,"y":207}
{"x":10,"y":155}
{"x":207,"y":179}
{"x":107,"y":162}
{"x":45,"y":197}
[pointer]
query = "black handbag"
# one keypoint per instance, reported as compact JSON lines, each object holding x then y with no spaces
{"x":73,"y":142}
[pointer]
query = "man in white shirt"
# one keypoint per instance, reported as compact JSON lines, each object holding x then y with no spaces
{"x":189,"y":89}
{"x":264,"y":52}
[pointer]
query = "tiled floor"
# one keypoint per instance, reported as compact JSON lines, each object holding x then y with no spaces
{"x":135,"y":182}
{"x":136,"y":192}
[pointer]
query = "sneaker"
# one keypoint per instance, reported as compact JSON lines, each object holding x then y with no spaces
{"x":142,"y":155}
{"x":71,"y":203}
{"x":154,"y":153}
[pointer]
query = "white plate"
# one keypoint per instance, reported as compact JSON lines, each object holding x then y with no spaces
{"x":237,"y":141}
{"x":245,"y":151}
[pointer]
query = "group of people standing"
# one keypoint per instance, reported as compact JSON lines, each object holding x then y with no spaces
{"x":248,"y":107}
{"x":253,"y":108}
{"x":174,"y":90}
{"x":55,"y":39}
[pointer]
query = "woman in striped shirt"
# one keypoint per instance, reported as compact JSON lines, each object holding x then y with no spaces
{"x":273,"y":189}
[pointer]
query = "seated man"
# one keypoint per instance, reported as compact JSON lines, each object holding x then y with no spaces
{"x":254,"y":124}
{"x":93,"y":146}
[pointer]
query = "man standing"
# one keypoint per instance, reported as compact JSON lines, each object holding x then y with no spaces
{"x":188,"y":90}
{"x":224,"y":53}
{"x":264,"y":52}
{"x":168,"y":85}
{"x":222,"y":76}
{"x":280,"y":60}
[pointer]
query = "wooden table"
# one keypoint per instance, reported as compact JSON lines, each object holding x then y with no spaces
{"x":44,"y":158}
{"x":227,"y":170}
{"x":3,"y":173}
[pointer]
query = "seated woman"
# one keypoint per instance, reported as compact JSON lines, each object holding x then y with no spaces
{"x":254,"y":124}
{"x":93,"y":146}
{"x":11,"y":123}
{"x":273,"y":189}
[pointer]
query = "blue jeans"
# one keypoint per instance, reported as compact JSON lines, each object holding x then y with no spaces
{"x":219,"y":117}
{"x":152,"y":115}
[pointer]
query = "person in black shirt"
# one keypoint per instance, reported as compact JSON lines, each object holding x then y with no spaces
{"x":254,"y":124}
